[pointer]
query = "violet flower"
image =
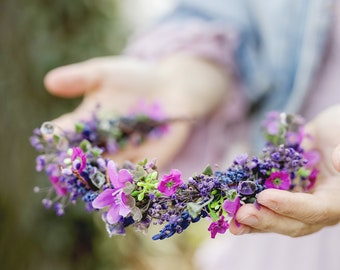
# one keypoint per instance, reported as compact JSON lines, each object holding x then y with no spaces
{"x":170,"y":182}
{"x":219,"y":226}
{"x":271,"y":123}
{"x":231,"y":207}
{"x":278,"y":180}
{"x":78,"y":159}
{"x":246,"y":187}
{"x":40,"y":163}
{"x":114,"y":198}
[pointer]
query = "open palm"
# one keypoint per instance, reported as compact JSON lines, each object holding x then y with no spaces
{"x":186,"y":87}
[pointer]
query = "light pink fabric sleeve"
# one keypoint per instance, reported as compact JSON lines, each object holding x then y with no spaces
{"x":212,"y":41}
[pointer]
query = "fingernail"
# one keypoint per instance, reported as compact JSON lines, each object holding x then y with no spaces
{"x":257,"y":205}
{"x":249,"y":220}
{"x":244,"y":230}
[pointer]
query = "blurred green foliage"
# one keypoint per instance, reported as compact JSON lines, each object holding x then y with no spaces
{"x":36,"y":36}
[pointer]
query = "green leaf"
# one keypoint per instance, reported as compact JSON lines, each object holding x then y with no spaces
{"x":194,"y":209}
{"x":56,"y":138}
{"x":303,"y":172}
{"x":85,"y":145}
{"x":97,"y":152}
{"x":143,"y":163}
{"x":213,"y":215}
{"x":135,"y":193}
{"x":79,"y":127}
{"x":231,"y":194}
{"x":208,"y":171}
{"x":140,"y":196}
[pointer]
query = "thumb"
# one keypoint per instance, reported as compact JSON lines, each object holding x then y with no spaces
{"x":72,"y":80}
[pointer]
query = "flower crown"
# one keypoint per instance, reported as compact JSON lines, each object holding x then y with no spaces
{"x":136,"y":195}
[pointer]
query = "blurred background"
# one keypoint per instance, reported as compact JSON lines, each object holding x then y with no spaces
{"x":35,"y":37}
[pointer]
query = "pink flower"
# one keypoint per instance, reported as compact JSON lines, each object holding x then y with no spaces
{"x":278,"y":180}
{"x":231,"y":207}
{"x":169,"y":183}
{"x":294,"y":138}
{"x":60,"y":190}
{"x":219,"y":226}
{"x":312,"y":158}
{"x":114,"y":198}
{"x":154,"y":110}
{"x":312,"y":178}
{"x":78,"y":159}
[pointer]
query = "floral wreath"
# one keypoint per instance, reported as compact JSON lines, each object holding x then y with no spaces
{"x":137,"y":195}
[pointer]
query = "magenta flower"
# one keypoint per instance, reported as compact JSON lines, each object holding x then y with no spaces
{"x":114,"y":198}
{"x":278,"y":180}
{"x":219,"y":226}
{"x":60,"y":190}
{"x":169,"y":183}
{"x":312,"y":178}
{"x":231,"y":207}
{"x":78,"y":159}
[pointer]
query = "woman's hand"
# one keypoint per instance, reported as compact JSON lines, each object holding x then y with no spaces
{"x":298,"y":214}
{"x":185,"y":86}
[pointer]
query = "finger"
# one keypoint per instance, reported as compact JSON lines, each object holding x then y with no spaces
{"x":74,"y":80}
{"x":239,"y":229}
{"x":265,"y":220}
{"x":305,"y":207}
{"x":336,"y":158}
{"x":67,"y":121}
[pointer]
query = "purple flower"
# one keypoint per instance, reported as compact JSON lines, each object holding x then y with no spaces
{"x":278,"y":180}
{"x":40,"y":163}
{"x":78,"y":159}
{"x":294,"y":138}
{"x":219,"y":226}
{"x":241,"y":159}
{"x":246,"y":187}
{"x":271,"y":123}
{"x":231,"y":207}
{"x":114,"y":198}
{"x":169,"y":183}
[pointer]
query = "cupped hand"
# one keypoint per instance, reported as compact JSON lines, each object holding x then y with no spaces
{"x":185,"y":86}
{"x":298,"y":214}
